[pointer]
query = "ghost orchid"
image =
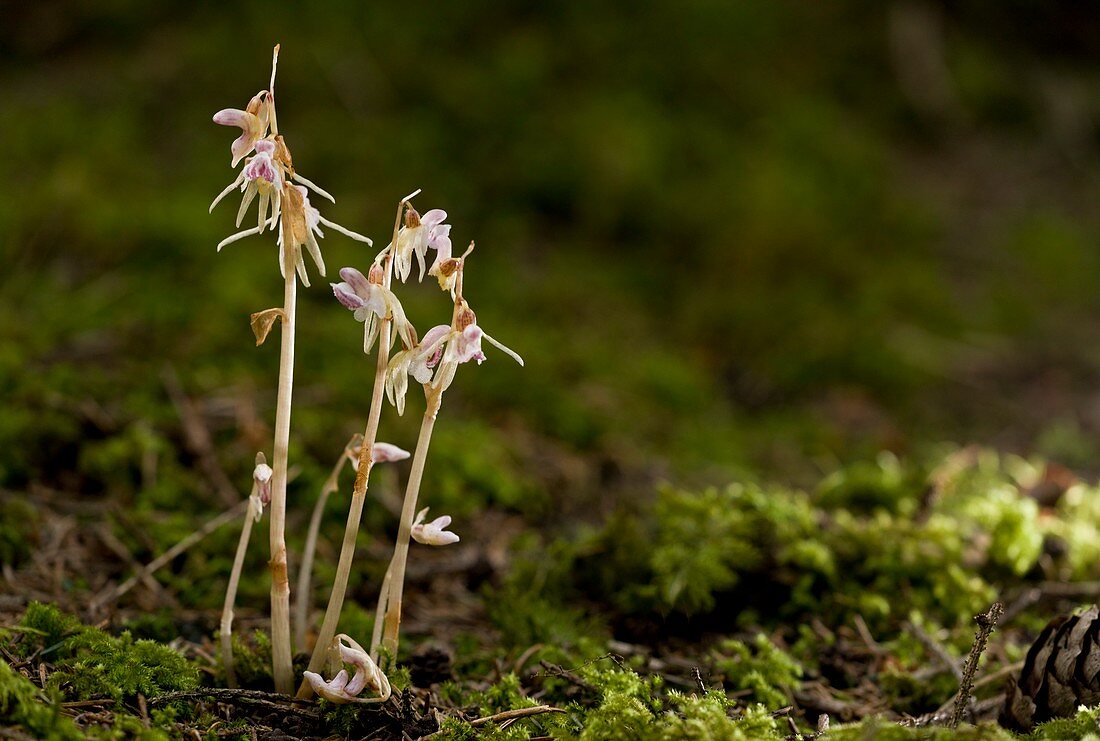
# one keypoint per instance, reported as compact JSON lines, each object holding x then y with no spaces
{"x":340,"y":689}
{"x":372,"y":302}
{"x":434,"y":532}
{"x":418,"y":234}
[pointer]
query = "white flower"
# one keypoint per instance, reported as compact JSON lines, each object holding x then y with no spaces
{"x":372,"y":301}
{"x":434,"y":532}
{"x":261,"y":475}
{"x":416,"y":236}
{"x":380,"y":453}
{"x":340,"y":689}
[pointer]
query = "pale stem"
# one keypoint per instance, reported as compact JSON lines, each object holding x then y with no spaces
{"x":282,"y":668}
{"x":408,"y":511}
{"x":305,"y":571}
{"x":231,"y":595}
{"x":380,"y":612}
{"x":359,"y":491}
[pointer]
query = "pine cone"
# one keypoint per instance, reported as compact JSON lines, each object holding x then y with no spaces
{"x":1061,"y":673}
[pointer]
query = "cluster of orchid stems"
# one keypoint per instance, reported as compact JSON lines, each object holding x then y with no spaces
{"x":283,"y":195}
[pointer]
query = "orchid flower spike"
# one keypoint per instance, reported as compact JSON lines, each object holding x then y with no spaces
{"x":372,"y":301}
{"x":416,"y":236}
{"x":261,"y":477}
{"x":434,"y":532}
{"x":340,"y":689}
{"x":380,"y":453}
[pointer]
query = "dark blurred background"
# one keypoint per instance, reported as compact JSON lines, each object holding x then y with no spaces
{"x":731,"y":239}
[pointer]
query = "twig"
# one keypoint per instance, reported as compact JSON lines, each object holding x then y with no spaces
{"x":168,"y":555}
{"x":517,"y":713}
{"x":987,"y":621}
{"x":282,"y":703}
{"x":936,"y":648}
{"x":198,"y":438}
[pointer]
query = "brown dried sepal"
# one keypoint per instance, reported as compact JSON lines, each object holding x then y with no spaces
{"x":263,"y":321}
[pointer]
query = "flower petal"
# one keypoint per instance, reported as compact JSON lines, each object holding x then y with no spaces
{"x":347,"y":296}
{"x":433,"y":217}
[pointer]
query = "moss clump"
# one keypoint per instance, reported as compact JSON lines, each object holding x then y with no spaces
{"x":22,"y":705}
{"x":90,"y":663}
{"x":765,"y":669}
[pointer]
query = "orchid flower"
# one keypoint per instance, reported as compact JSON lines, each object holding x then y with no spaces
{"x":261,"y":475}
{"x":340,"y":689}
{"x":416,"y":236}
{"x":436,"y":359}
{"x":372,"y":301}
{"x":434,"y":532}
{"x":253,"y":122}
{"x":380,"y":453}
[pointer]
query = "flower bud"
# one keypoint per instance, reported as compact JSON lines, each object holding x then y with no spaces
{"x":412,"y":217}
{"x":376,"y":274}
{"x":261,"y":475}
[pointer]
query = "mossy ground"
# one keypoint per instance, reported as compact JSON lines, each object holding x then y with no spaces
{"x":740,"y":261}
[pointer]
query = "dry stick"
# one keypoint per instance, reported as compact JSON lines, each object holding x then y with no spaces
{"x":392,"y":626}
{"x":362,"y":477}
{"x":305,"y":571}
{"x":227,"y":516}
{"x":987,"y":621}
{"x":198,"y":438}
{"x":255,"y":511}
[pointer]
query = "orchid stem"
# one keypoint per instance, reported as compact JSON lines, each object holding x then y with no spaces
{"x":392,"y":627}
{"x":305,"y":571}
{"x":359,"y":491}
{"x":282,"y":668}
{"x":250,"y":518}
{"x":380,"y":612}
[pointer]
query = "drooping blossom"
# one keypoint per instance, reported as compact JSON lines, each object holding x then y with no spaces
{"x":416,"y":236}
{"x":340,"y":689}
{"x":380,"y":453}
{"x":372,"y":301}
{"x":434,"y":532}
{"x":252,"y":121}
{"x":436,"y":359}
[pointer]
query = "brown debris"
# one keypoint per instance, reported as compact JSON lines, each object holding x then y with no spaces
{"x":1060,"y":673}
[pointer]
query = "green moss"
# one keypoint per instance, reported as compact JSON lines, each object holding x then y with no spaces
{"x":765,"y":669}
{"x":22,"y":705}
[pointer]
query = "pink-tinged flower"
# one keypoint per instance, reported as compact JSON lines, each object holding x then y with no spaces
{"x":371,"y":301}
{"x":434,"y":532}
{"x":380,"y":453}
{"x":436,"y":359}
{"x":261,"y":476}
{"x":340,"y":689}
{"x":417,"y":361}
{"x":388,"y":453}
{"x":416,"y":236}
{"x":252,"y":121}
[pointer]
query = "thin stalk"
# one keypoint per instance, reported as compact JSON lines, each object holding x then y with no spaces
{"x":282,"y":667}
{"x":255,"y":511}
{"x":359,"y":490}
{"x":380,"y":613}
{"x":305,"y":571}
{"x":392,"y":627}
